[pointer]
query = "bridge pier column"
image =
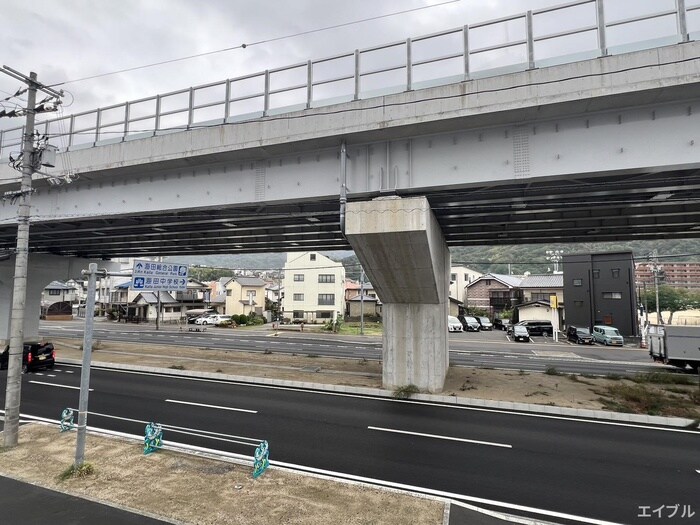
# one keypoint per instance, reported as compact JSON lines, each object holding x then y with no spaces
{"x":403,"y":250}
{"x":43,"y":268}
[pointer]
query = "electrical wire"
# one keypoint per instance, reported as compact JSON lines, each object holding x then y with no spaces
{"x":258,"y":42}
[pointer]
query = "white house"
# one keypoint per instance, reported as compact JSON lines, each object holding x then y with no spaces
{"x":460,"y":277}
{"x":313,"y":288}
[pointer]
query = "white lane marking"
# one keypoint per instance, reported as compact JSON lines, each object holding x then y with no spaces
{"x":439,"y":493}
{"x":435,"y":436}
{"x":56,"y":385}
{"x":513,"y":412}
{"x":211,"y":406}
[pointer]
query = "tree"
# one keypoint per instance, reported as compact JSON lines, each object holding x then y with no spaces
{"x":671,"y":300}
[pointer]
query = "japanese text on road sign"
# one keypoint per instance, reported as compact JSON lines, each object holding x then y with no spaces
{"x":159,"y":276}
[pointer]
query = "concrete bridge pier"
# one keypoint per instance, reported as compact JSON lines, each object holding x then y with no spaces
{"x":43,"y":268}
{"x":402,"y":249}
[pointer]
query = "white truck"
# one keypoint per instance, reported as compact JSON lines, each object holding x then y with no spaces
{"x":675,"y":345}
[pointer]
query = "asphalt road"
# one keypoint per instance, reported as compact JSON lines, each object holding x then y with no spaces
{"x":556,"y":468}
{"x":490,"y":349}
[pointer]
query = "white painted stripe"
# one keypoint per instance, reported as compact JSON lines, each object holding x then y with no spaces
{"x":211,"y":406}
{"x":447,"y":438}
{"x":512,"y":412}
{"x":56,"y":385}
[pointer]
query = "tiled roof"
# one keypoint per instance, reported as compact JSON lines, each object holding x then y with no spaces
{"x":58,"y":285}
{"x":543,"y":281}
{"x":152,"y":298}
{"x":250,"y":281}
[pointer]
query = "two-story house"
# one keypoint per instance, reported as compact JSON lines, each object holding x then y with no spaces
{"x":245,"y":295}
{"x":313,"y":288}
{"x":460,"y":277}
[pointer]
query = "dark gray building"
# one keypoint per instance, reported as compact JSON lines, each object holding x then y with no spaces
{"x":599,"y":290}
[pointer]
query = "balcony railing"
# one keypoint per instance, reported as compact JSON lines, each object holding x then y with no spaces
{"x":455,"y":55}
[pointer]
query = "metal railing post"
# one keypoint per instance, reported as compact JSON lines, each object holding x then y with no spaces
{"x":465,"y":35}
{"x":71,"y":128}
{"x":227,"y":103}
{"x":530,"y":42}
{"x":127,"y":116}
{"x":600,"y":18}
{"x":409,"y":66}
{"x":309,"y":83}
{"x":266,"y":95}
{"x":98,"y":123}
{"x":157,"y":126}
{"x":356,"y":95}
{"x":682,"y":21}
{"x":190,"y":109}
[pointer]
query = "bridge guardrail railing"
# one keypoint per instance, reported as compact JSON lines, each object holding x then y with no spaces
{"x":532,"y":39}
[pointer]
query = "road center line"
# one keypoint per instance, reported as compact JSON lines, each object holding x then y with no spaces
{"x":448,"y":438}
{"x":211,"y":406}
{"x":56,"y":385}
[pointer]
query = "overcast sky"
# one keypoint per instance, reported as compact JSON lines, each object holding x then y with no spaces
{"x":73,"y":39}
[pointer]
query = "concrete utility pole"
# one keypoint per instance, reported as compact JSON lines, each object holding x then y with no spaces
{"x":19,"y":292}
{"x":657,"y":270}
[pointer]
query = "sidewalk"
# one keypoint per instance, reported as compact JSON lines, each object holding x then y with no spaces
{"x":29,"y":504}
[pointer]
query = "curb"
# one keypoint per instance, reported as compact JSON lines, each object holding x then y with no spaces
{"x":553,"y":411}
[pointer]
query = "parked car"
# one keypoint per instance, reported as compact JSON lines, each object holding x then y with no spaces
{"x":34,"y":357}
{"x":538,"y":327}
{"x":485,"y":323}
{"x":520,"y":333}
{"x":212,"y":319}
{"x":470,"y":324}
{"x":501,"y":324}
{"x":579,"y":335}
{"x":453,"y":324}
{"x":608,"y":335}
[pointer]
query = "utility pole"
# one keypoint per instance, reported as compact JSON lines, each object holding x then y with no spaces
{"x":362,"y":301}
{"x":19,"y":292}
{"x":658,"y":272}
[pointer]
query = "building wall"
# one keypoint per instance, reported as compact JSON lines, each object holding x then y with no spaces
{"x":677,"y":274}
{"x":479,"y":294}
{"x":460,"y":277}
{"x":599,"y":289}
{"x":235,"y":293}
{"x":301,"y":294}
{"x":542,"y":294}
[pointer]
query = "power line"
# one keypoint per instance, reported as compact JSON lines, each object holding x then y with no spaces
{"x":259,"y":42}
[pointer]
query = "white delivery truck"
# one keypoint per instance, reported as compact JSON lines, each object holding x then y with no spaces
{"x":675,"y":345}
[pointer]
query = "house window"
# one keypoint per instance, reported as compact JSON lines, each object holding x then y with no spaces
{"x":326,"y":298}
{"x":326,"y":278}
{"x":540,"y":297}
{"x":488,"y":282}
{"x":616,"y":273}
{"x":229,"y":293}
{"x":324,"y":314}
{"x":299,"y":277}
{"x":298,"y":296}
{"x":453,"y":277}
{"x":596,"y":274}
{"x":298,"y":314}
{"x":312,"y":256}
{"x":578,"y":282}
{"x":54,"y":292}
{"x":612,"y":295}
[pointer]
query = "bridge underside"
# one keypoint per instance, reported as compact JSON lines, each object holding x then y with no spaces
{"x":612,"y":207}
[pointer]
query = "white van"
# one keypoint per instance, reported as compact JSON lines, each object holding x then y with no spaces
{"x":608,"y":335}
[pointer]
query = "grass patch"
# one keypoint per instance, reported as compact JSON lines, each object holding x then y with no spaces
{"x":370,"y":328}
{"x":552,"y":371}
{"x":614,"y":377}
{"x":663,"y":378}
{"x":177,"y":367}
{"x":84,"y":470}
{"x":312,"y":355}
{"x":522,"y":373}
{"x":640,"y":399}
{"x":406,"y":391}
{"x":537,"y":393}
{"x":576,"y":379}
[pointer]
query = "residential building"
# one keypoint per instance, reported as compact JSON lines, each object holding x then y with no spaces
{"x":599,"y":290}
{"x":313,"y":287}
{"x":675,"y":274}
{"x":145,"y":307}
{"x":58,"y":292}
{"x":541,"y":287}
{"x":494,"y":293}
{"x":245,"y":295}
{"x":460,"y":277}
{"x":363,"y":305}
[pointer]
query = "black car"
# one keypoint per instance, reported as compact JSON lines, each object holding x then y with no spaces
{"x":469,"y":324}
{"x":34,"y":357}
{"x":578,"y":335}
{"x":538,"y":327}
{"x":501,"y":324}
{"x":520,"y":333}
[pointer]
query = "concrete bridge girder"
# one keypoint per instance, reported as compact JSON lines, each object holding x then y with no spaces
{"x":648,"y":139}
